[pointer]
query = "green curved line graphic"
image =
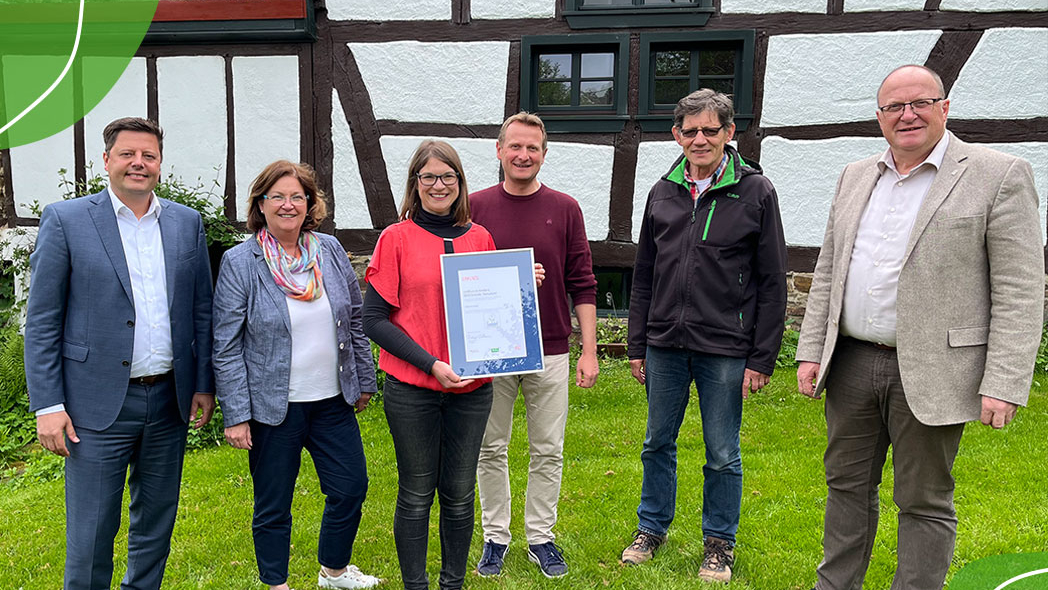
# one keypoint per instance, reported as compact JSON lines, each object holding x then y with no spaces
{"x":1021,"y":577}
{"x":45,"y":88}
{"x":65,"y":70}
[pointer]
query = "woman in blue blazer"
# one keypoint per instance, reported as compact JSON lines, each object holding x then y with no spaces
{"x":292,"y":366}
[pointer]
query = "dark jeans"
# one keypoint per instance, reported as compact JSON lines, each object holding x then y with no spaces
{"x":437,"y":439}
{"x":149,"y":436}
{"x":328,"y":429}
{"x":866,"y":412}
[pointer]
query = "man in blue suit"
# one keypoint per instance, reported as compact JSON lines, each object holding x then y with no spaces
{"x":118,"y":355}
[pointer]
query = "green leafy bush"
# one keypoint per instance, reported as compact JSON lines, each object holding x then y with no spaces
{"x":17,"y":425}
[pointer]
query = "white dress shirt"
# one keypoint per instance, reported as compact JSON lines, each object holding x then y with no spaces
{"x":871,"y":290}
{"x":144,"y":255}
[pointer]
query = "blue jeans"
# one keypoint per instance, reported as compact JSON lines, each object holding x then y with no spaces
{"x":669,"y":373}
{"x":437,"y":438}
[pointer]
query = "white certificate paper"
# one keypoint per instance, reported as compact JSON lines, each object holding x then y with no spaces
{"x":492,"y":316}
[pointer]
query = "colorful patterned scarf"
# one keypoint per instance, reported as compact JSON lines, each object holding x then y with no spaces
{"x":281,"y":265}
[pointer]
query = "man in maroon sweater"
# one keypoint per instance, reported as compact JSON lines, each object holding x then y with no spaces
{"x":521,"y":212}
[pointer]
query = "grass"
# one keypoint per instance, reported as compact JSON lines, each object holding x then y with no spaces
{"x":1002,"y":503}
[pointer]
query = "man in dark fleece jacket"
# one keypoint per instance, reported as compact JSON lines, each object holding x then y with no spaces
{"x":709,"y":297}
{"x":521,"y":212}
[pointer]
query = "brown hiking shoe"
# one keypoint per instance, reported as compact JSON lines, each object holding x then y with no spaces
{"x":642,"y":548}
{"x":717,"y":561}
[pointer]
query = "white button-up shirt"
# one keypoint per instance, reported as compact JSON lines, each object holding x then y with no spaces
{"x":872,"y":287}
{"x":144,"y":254}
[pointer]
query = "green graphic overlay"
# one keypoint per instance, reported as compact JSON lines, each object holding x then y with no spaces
{"x":59,"y":58}
{"x":1022,"y":571}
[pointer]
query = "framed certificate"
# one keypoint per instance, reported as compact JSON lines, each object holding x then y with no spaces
{"x":492,"y":312}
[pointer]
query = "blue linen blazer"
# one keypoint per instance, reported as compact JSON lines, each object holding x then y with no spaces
{"x":80,"y":319}
{"x":252,"y":341}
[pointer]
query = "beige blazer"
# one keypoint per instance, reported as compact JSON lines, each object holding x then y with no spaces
{"x":971,"y":288}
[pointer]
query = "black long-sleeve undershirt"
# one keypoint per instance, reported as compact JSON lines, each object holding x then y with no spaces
{"x":376,"y":310}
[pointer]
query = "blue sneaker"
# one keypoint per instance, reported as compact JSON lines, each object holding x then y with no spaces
{"x":549,"y":559}
{"x":491,"y":559}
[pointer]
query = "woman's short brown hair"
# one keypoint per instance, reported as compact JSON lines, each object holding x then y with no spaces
{"x":269,"y":176}
{"x":441,"y":150}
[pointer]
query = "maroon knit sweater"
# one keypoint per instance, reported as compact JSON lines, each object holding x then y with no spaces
{"x":551,"y":223}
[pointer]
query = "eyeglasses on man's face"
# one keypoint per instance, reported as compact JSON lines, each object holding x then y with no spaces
{"x":279,"y":200}
{"x":448,"y":178}
{"x":918,"y":106}
{"x":706,"y":131}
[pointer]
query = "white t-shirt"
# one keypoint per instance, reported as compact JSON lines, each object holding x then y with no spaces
{"x":314,"y":348}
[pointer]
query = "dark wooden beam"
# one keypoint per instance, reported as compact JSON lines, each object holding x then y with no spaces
{"x":356,"y":103}
{"x":230,"y":197}
{"x":950,"y":53}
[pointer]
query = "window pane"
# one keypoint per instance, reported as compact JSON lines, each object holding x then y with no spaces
{"x":555,"y":66}
{"x":596,"y":93}
{"x":668,"y":2}
{"x":607,"y":2}
{"x":670,"y":91}
{"x":724,"y":86}
{"x":717,"y":63}
{"x":554,"y":94}
{"x":598,"y":65}
{"x":672,"y":63}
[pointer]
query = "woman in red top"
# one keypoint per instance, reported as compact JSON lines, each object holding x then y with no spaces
{"x":436,"y":418}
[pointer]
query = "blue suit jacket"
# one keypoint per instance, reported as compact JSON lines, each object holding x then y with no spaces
{"x":79,"y":330}
{"x":253,"y":333}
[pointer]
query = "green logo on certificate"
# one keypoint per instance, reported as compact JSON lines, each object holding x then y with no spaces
{"x":1024,"y":571}
{"x":59,"y":58}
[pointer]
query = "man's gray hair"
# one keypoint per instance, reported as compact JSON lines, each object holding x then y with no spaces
{"x":701,"y":100}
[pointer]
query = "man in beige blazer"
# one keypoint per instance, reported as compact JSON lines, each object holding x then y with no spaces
{"x":924,"y":313}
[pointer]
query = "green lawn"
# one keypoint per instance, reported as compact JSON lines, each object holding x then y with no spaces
{"x":1002,"y":502}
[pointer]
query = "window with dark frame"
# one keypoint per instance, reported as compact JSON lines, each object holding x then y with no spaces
{"x":675,"y":64}
{"x":579,"y":80}
{"x":577,"y":83}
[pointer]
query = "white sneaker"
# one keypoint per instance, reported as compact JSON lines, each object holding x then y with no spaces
{"x":352,"y":579}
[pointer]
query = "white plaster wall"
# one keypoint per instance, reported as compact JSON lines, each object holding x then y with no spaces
{"x":819,"y":79}
{"x":192,"y":96}
{"x":400,"y":77}
{"x":478,"y":160}
{"x":1006,"y":77}
{"x":765,"y":7}
{"x":383,"y":10}
{"x":481,"y":9}
{"x":266,"y":117}
{"x":584,"y":172}
{"x":806,"y":191}
{"x":654,"y":159}
{"x":881,"y":5}
{"x":34,"y":170}
{"x":805,"y":174}
{"x":993,"y":5}
{"x":127,"y":98}
{"x":351,"y":203}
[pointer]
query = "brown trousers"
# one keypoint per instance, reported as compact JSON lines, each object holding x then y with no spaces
{"x":866,"y":412}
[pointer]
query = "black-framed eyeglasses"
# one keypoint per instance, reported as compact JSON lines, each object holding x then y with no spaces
{"x":448,"y":178}
{"x":919,"y":105}
{"x":706,"y":131}
{"x":279,"y":200}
